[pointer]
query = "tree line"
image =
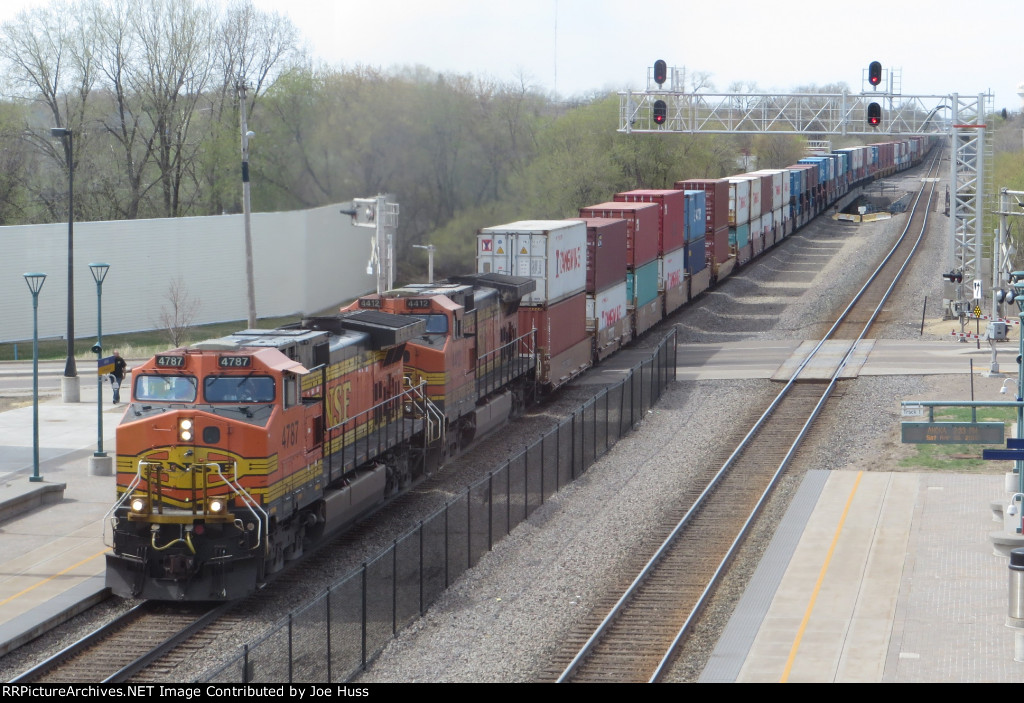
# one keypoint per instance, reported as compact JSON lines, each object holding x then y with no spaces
{"x":150,"y":91}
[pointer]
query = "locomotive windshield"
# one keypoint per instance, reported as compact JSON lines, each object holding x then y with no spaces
{"x":162,"y":388}
{"x":238,"y":389}
{"x":436,"y":324}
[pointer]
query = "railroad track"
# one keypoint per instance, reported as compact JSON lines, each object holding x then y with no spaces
{"x":634,"y":632}
{"x":120,"y":649}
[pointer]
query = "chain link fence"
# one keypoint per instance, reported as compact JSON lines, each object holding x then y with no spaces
{"x":334,"y":637}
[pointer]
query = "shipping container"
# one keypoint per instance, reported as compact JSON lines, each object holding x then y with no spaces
{"x":642,"y":284}
{"x":564,"y":348}
{"x":696,"y":215}
{"x":606,"y":252}
{"x":716,"y":246}
{"x":695,"y":259}
{"x":671,"y":225}
{"x":642,"y":228}
{"x":672,"y":278}
{"x":608,"y":319}
{"x":551,"y":252}
{"x":778,"y":190}
{"x":716,"y":204}
{"x":739,"y":201}
{"x":739,"y":236}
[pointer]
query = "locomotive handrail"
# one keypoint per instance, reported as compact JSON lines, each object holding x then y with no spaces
{"x":250,"y":502}
{"x":124,"y":496}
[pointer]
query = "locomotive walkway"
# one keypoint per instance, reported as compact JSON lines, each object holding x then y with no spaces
{"x":874,"y":577}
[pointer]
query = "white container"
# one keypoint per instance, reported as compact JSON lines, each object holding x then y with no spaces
{"x":606,"y":307}
{"x":739,"y":201}
{"x":780,"y":188}
{"x":671,"y":269}
{"x":551,"y":252}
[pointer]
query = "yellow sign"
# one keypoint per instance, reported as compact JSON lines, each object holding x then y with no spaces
{"x":977,"y":311}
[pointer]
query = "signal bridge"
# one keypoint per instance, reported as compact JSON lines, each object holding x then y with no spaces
{"x":872,"y":112}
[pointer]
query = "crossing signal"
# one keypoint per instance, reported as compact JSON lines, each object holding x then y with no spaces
{"x":874,"y":114}
{"x":660,"y":72}
{"x":874,"y":73}
{"x":660,"y":112}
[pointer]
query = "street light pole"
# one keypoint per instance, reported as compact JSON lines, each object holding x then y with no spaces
{"x":69,"y":383}
{"x":35,"y":283}
{"x":100,"y":464}
{"x":246,"y":135}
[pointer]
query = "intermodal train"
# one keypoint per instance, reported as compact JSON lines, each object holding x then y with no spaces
{"x":238,"y":453}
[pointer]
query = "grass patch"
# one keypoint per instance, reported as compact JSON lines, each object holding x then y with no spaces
{"x":965,"y":458}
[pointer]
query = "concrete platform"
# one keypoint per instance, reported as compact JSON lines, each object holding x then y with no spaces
{"x":877,"y":577}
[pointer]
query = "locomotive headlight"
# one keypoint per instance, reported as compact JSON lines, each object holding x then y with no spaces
{"x":138,"y":505}
{"x":185,"y":430}
{"x":216,"y":506}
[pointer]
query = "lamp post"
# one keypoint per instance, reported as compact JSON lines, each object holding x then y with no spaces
{"x":69,"y":383}
{"x":100,"y":464}
{"x":246,"y":136}
{"x":35,"y":284}
{"x":1018,"y":285}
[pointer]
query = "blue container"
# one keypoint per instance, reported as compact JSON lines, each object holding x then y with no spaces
{"x":739,"y":236}
{"x":822,"y":165}
{"x":696,"y":259}
{"x":695,"y":211}
{"x":796,"y":183}
{"x":642,"y":284}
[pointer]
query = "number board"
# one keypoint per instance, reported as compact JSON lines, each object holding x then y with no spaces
{"x":234,"y":362}
{"x":953,"y":432}
{"x":369,"y":303}
{"x":417,"y":303}
{"x":174,"y":361}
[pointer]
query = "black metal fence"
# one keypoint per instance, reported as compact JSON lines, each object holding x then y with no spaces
{"x":333,"y":637}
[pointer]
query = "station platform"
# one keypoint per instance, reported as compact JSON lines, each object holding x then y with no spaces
{"x":51,"y":543}
{"x":877,"y":577}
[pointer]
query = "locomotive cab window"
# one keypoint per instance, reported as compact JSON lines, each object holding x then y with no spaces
{"x":238,"y":389}
{"x":291,"y":390}
{"x":162,"y":388}
{"x":436,"y":324}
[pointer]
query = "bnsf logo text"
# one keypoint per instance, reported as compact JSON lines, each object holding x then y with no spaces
{"x":568,"y":260}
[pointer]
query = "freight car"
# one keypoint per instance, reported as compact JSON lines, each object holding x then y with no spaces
{"x":236,"y":454}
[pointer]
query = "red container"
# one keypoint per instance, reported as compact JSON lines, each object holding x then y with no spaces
{"x":717,"y":208}
{"x":559,"y":326}
{"x":606,"y":252}
{"x":672,"y":233}
{"x":716,"y":245}
{"x":641,"y":226}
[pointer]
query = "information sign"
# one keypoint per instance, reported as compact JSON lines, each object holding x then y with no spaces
{"x":954,"y":432}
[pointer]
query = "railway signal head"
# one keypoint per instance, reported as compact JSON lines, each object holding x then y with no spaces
{"x":660,"y":112}
{"x":874,"y":73}
{"x":954,"y":276}
{"x":660,"y":72}
{"x":874,"y":114}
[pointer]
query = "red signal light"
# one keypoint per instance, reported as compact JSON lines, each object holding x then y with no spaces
{"x":660,"y":112}
{"x":874,"y":114}
{"x":874,"y":73}
{"x":660,"y":72}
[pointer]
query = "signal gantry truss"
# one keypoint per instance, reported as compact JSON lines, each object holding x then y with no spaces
{"x":823,"y":115}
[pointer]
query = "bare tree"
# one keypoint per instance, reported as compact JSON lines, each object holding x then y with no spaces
{"x":177,"y":315}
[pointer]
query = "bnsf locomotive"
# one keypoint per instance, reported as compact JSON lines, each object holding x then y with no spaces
{"x":237,"y":453}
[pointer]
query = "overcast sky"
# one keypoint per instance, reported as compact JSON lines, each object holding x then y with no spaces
{"x":577,"y":47}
